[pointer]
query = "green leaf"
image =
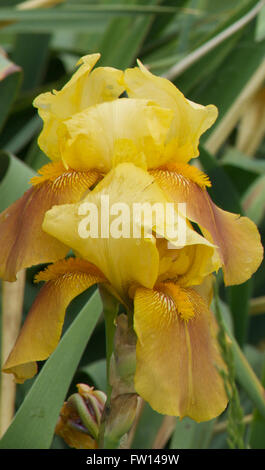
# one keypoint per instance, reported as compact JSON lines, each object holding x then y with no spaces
{"x":228,"y":199}
{"x":245,"y":375}
{"x":260,"y":27}
{"x":161,"y":22}
{"x":197,"y":75}
{"x":234,"y":157}
{"x":30,"y":53}
{"x":254,"y":200}
{"x":219,"y":89}
{"x":97,"y":372}
{"x":191,"y":435}
{"x":147,"y":428}
{"x":128,"y":34}
{"x":257,"y":430}
{"x":35,"y":157}
{"x":78,"y":17}
{"x":14,"y":179}
{"x":40,"y":410}
{"x":10,"y":77}
{"x":239,"y":297}
{"x":24,"y":135}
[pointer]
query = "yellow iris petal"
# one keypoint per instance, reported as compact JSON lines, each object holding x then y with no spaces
{"x":177,"y":353}
{"x":106,"y":229}
{"x":84,"y":89}
{"x":110,"y":133}
{"x":190,"y":120}
{"x":188,"y":265}
{"x":125,"y":259}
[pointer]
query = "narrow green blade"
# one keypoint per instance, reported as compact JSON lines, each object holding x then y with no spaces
{"x":14,"y":179}
{"x":10,"y":78}
{"x":39,"y":412}
{"x":257,"y":431}
{"x":191,"y":435}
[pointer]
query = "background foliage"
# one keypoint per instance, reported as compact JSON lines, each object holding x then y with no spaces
{"x":214,"y":51}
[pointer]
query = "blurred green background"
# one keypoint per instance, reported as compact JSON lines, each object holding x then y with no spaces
{"x":214,"y":51}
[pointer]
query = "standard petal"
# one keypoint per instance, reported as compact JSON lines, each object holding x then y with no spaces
{"x":236,"y":237}
{"x":124,"y":130}
{"x":84,"y":89}
{"x":190,"y":120}
{"x":188,"y":265}
{"x":177,"y":354}
{"x":23,"y":242}
{"x":42,"y":329}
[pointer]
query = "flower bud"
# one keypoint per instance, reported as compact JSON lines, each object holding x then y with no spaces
{"x":123,"y":360}
{"x":80,"y":418}
{"x":121,"y":417}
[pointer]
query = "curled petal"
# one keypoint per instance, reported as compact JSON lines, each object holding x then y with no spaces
{"x":23,"y":242}
{"x":118,"y":226}
{"x":84,"y":89}
{"x":124,"y":130}
{"x":177,"y":353}
{"x":237,"y":238}
{"x":188,"y":265}
{"x":42,"y":329}
{"x":69,"y":429}
{"x":190,"y":120}
{"x":101,"y":227}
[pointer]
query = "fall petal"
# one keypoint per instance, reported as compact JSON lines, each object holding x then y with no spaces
{"x":23,"y":242}
{"x":105,"y":238}
{"x":41,"y":331}
{"x":236,"y":237}
{"x":177,"y":353}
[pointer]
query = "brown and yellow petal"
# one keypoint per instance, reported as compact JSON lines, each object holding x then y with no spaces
{"x":68,"y":430}
{"x":237,"y":238}
{"x":42,"y":329}
{"x":23,"y":242}
{"x":177,"y":355}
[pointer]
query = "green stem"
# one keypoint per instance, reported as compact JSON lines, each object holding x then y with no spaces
{"x":110,"y":310}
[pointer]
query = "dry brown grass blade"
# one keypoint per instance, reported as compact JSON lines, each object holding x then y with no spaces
{"x":194,"y":56}
{"x":251,"y":128}
{"x":164,"y":433}
{"x":12,"y":305}
{"x":127,"y":443}
{"x":30,"y":4}
{"x":257,"y":306}
{"x":221,"y":426}
{"x":229,"y":121}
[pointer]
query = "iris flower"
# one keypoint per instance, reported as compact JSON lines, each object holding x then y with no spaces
{"x":169,"y":289}
{"x":22,"y":240}
{"x":129,"y":135}
{"x":89,"y":129}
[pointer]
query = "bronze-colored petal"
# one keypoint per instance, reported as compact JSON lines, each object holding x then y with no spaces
{"x":42,"y":329}
{"x":236,"y":237}
{"x":177,"y":353}
{"x":22,"y":240}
